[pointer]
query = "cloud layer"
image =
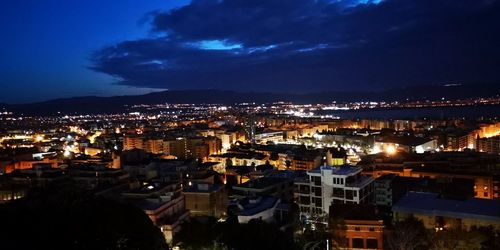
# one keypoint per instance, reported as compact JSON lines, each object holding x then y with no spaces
{"x":311,"y":45}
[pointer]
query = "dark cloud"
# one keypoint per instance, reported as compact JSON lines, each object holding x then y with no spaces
{"x":306,"y":45}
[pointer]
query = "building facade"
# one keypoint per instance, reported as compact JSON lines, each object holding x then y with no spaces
{"x":328,"y":186}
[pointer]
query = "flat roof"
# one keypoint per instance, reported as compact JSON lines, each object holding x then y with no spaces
{"x":404,"y":140}
{"x":338,"y":170}
{"x":431,"y":203}
{"x":203,"y":188}
{"x":262,"y":183}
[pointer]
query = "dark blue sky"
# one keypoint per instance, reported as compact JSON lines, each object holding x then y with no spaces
{"x":45,"y":45}
{"x":67,"y":48}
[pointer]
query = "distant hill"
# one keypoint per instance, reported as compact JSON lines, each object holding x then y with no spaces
{"x":94,"y":104}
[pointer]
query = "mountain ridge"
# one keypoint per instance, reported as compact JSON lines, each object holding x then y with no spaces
{"x":115,"y":104}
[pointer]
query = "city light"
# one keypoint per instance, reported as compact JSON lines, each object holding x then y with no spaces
{"x":338,"y":124}
{"x":67,"y":153}
{"x":390,"y":149}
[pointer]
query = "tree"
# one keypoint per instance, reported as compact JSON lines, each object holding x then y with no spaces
{"x":210,"y":234}
{"x":255,"y":234}
{"x":409,"y":234}
{"x":338,"y":229}
{"x":456,"y":239}
{"x":492,"y":237}
{"x":197,"y":233}
{"x":485,"y":238}
{"x":70,"y":218}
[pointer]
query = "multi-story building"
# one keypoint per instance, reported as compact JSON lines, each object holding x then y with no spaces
{"x":274,"y":136}
{"x":383,"y":192}
{"x":41,"y":175}
{"x":336,"y":157}
{"x":459,"y":141}
{"x":361,"y":227}
{"x":154,"y":145}
{"x":437,"y":212}
{"x":489,"y":145}
{"x":10,"y":191}
{"x":304,"y":162}
{"x":133,"y":142}
{"x":240,"y":159}
{"x":333,"y":185}
{"x":206,"y":199}
{"x":163,"y":203}
{"x":281,"y":188}
{"x":193,"y":147}
{"x":486,"y":185}
{"x":29,"y":164}
{"x":388,"y":189}
{"x":93,"y":176}
{"x":405,"y":143}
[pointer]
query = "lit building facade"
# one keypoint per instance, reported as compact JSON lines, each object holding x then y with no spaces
{"x":333,"y":185}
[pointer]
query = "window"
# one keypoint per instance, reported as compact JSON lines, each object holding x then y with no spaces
{"x":357,"y":229}
{"x":348,"y":194}
{"x":372,"y":229}
{"x":317,"y":191}
{"x":358,"y":243}
{"x":317,"y":180}
{"x":372,"y":243}
{"x":304,"y":189}
{"x":342,"y":181}
{"x":318,"y":202}
{"x":304,"y":200}
{"x":338,"y":192}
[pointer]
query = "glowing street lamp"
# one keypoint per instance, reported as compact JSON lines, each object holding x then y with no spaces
{"x":390,"y":149}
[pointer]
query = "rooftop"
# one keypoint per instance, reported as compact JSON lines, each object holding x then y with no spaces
{"x":262,"y":183}
{"x":338,"y":170}
{"x":404,"y":140}
{"x":251,"y":206}
{"x":430,"y":203}
{"x":203,"y":188}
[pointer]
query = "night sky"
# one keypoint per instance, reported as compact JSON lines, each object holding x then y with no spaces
{"x":69,"y":48}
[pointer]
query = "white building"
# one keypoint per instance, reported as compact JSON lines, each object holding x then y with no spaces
{"x":260,"y":208}
{"x":269,"y":136}
{"x":406,"y":144}
{"x":332,"y":185}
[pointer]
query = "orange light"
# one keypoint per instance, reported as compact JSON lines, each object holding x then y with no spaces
{"x":390,"y":150}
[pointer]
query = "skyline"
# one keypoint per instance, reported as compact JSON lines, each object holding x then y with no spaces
{"x":107,"y":49}
{"x":250,"y":124}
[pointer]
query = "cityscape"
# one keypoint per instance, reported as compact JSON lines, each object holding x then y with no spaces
{"x":250,"y":125}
